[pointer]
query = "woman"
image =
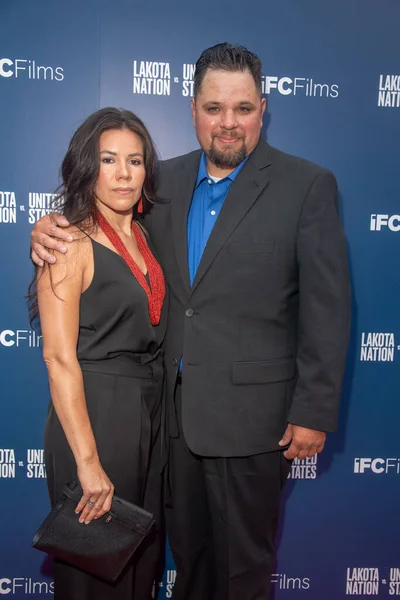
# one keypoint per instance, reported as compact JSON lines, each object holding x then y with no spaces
{"x":99,"y":309}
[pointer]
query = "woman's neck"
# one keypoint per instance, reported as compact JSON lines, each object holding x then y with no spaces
{"x":121,"y":222}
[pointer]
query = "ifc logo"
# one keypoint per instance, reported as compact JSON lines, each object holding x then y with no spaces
{"x":28,"y":69}
{"x":380,"y":222}
{"x":20,"y":337}
{"x":377,"y":465}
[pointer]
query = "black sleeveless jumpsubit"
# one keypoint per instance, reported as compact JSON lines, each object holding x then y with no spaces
{"x":118,"y":351}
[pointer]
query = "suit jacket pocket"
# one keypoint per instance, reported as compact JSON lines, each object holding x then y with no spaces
{"x":267,"y":247}
{"x":263,"y":371}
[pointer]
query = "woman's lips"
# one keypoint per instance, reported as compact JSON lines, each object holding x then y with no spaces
{"x":123,"y":191}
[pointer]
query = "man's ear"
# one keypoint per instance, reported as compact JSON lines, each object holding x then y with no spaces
{"x":193,"y":109}
{"x":263,"y":107}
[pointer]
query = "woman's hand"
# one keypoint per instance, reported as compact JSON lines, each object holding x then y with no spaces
{"x":46,"y":235}
{"x":97,"y":492}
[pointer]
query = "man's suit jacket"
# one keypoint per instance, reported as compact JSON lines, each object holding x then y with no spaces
{"x":264,"y":329}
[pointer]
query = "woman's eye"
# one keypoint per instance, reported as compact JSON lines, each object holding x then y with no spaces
{"x":106,"y":160}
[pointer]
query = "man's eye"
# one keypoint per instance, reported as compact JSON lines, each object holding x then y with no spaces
{"x":244,"y":109}
{"x":213,"y":109}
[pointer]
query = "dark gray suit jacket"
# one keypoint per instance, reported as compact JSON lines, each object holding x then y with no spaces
{"x":264,"y":329}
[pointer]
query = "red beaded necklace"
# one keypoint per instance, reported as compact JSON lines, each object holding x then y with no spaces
{"x":156,"y":291}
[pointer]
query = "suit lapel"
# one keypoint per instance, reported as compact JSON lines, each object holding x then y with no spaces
{"x":245,"y":190}
{"x":185,"y":180}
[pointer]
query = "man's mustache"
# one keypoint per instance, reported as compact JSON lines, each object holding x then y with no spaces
{"x":227,"y":134}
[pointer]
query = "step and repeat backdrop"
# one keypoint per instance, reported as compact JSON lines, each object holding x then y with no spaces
{"x":332,"y":83}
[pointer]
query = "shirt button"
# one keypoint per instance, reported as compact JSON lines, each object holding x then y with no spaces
{"x":213,"y":212}
{"x":209,"y":181}
{"x":175,"y":362}
{"x":189,"y":312}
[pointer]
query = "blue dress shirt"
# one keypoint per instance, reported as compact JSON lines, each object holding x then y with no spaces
{"x":207,"y":201}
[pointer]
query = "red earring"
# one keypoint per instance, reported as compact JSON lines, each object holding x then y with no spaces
{"x":140,"y":206}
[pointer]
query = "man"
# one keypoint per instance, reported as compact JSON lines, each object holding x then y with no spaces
{"x":254,"y":254}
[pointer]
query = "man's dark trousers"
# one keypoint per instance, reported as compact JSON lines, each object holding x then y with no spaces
{"x":223,"y":521}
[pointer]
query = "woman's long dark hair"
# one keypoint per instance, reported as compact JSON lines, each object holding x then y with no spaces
{"x":75,"y":198}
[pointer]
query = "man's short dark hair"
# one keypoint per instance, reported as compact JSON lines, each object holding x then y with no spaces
{"x":227,"y":57}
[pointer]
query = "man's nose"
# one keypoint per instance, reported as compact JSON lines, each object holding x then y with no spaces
{"x":229,"y":120}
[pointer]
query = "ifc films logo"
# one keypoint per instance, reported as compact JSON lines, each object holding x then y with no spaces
{"x":22,"y":68}
{"x":26,"y":586}
{"x":377,"y":466}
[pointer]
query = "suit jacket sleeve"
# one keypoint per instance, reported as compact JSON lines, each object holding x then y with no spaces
{"x":324,"y":309}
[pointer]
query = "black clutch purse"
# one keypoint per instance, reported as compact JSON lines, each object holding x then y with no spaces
{"x":102,"y":548}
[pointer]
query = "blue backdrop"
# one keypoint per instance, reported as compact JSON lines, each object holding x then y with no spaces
{"x":332,"y":81}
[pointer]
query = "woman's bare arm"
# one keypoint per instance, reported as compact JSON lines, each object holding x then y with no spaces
{"x":59,"y":291}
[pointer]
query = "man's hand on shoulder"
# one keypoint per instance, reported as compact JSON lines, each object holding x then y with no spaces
{"x":49,"y":234}
{"x":304,"y":443}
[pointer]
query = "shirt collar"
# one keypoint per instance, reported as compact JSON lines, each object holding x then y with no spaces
{"x":202,"y":173}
